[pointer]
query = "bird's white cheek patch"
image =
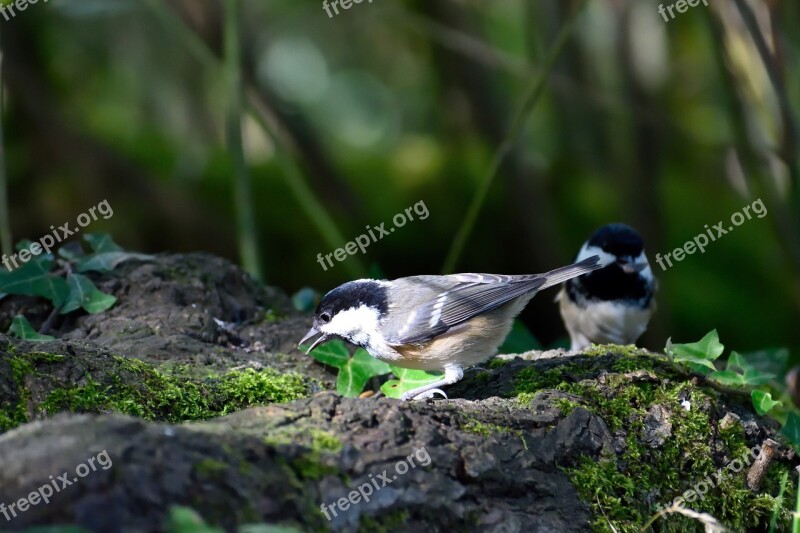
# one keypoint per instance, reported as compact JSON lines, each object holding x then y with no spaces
{"x":588,"y":251}
{"x":356,"y":324}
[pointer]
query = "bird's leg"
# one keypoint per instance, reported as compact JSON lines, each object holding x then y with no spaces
{"x":452,"y":374}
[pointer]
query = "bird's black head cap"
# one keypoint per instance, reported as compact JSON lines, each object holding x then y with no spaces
{"x":618,"y":239}
{"x":363,"y":292}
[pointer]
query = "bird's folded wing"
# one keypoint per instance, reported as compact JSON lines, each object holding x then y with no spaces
{"x":473,"y":295}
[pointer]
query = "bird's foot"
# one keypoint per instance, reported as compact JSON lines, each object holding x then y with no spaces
{"x":411,"y":395}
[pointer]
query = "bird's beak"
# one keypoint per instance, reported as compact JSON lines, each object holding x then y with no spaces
{"x":313,"y":331}
{"x":632,"y":268}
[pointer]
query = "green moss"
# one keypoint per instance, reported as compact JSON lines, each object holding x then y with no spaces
{"x":629,"y":350}
{"x":623,"y":491}
{"x":310,"y":467}
{"x":136,"y":388}
{"x":565,"y":405}
{"x":496,"y":363}
{"x":484,"y":430}
{"x":525,"y":398}
{"x":319,"y":443}
{"x":617,"y":489}
{"x":211,"y":468}
{"x":532,"y":379}
{"x":397,"y":521}
{"x":13,"y":415}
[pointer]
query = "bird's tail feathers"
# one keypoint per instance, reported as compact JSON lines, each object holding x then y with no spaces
{"x":560,"y":275}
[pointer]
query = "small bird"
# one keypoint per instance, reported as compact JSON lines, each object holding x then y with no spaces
{"x":613,"y":304}
{"x":442,"y":323}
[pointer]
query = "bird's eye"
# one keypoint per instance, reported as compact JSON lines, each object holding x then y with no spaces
{"x":325,"y":317}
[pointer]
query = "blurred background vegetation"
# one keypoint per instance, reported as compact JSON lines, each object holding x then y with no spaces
{"x":267,"y":132}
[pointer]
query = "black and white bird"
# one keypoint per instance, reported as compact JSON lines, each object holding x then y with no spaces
{"x":444,"y":323}
{"x":612,"y":305}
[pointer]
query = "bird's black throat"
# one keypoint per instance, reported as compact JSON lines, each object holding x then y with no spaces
{"x":609,"y":284}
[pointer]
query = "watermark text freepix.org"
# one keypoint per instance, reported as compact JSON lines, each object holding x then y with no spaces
{"x":681,"y":6}
{"x":381,"y":480}
{"x":700,"y":241}
{"x":57,"y":484}
{"x":20,"y":5}
{"x":58,"y":235}
{"x":345,"y":4}
{"x":364,"y":240}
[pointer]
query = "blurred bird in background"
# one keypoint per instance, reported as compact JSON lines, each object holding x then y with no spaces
{"x":612,"y":305}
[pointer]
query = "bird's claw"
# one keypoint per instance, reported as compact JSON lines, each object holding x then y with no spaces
{"x":423,"y":395}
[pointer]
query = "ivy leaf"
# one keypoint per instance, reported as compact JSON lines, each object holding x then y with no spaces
{"x":333,"y":353}
{"x":305,"y":300}
{"x":33,"y":279}
{"x":107,"y":261}
{"x":84,"y":293}
{"x":519,"y":340}
{"x":407,"y":380}
{"x":763,"y":402}
{"x":727,"y":377}
{"x":748,"y":376}
{"x":697,"y":354}
{"x":791,"y":429}
{"x":101,"y":243}
{"x":357,"y":372}
{"x":22,"y":329}
{"x":72,"y":251}
{"x":24,"y":244}
{"x":769,"y":361}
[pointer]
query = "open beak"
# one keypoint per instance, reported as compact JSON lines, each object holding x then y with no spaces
{"x":632,"y":268}
{"x":314,"y":331}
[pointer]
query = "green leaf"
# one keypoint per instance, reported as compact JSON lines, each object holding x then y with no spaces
{"x":769,"y":361}
{"x":699,"y":354}
{"x":763,"y":402}
{"x":107,"y":261}
{"x":101,"y":242}
{"x":357,"y":372}
{"x":84,"y":293}
{"x":187,"y":520}
{"x":305,"y":300}
{"x":407,"y":380}
{"x":22,"y":329}
{"x":736,"y":360}
{"x":727,"y":377}
{"x":748,"y":376}
{"x":33,"y":279}
{"x":520,"y":340}
{"x":791,"y":429}
{"x":72,"y":251}
{"x":333,"y":353}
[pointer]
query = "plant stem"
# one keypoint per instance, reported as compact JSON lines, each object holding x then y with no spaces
{"x":290,"y":170}
{"x":796,"y":519}
{"x":243,"y":193}
{"x":532,"y":95}
{"x":6,"y":244}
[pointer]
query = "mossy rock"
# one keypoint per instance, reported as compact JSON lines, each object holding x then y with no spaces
{"x":35,"y":383}
{"x":591,"y":441}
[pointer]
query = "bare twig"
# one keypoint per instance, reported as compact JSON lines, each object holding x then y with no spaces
{"x":710,"y":523}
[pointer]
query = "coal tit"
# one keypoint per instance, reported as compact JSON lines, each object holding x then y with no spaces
{"x":443,"y":323}
{"x":613,"y":304}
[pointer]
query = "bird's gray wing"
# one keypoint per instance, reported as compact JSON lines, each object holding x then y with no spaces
{"x":472,"y":295}
{"x":430,"y":305}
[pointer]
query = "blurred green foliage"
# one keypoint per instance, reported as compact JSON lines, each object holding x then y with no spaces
{"x":667,"y":126}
